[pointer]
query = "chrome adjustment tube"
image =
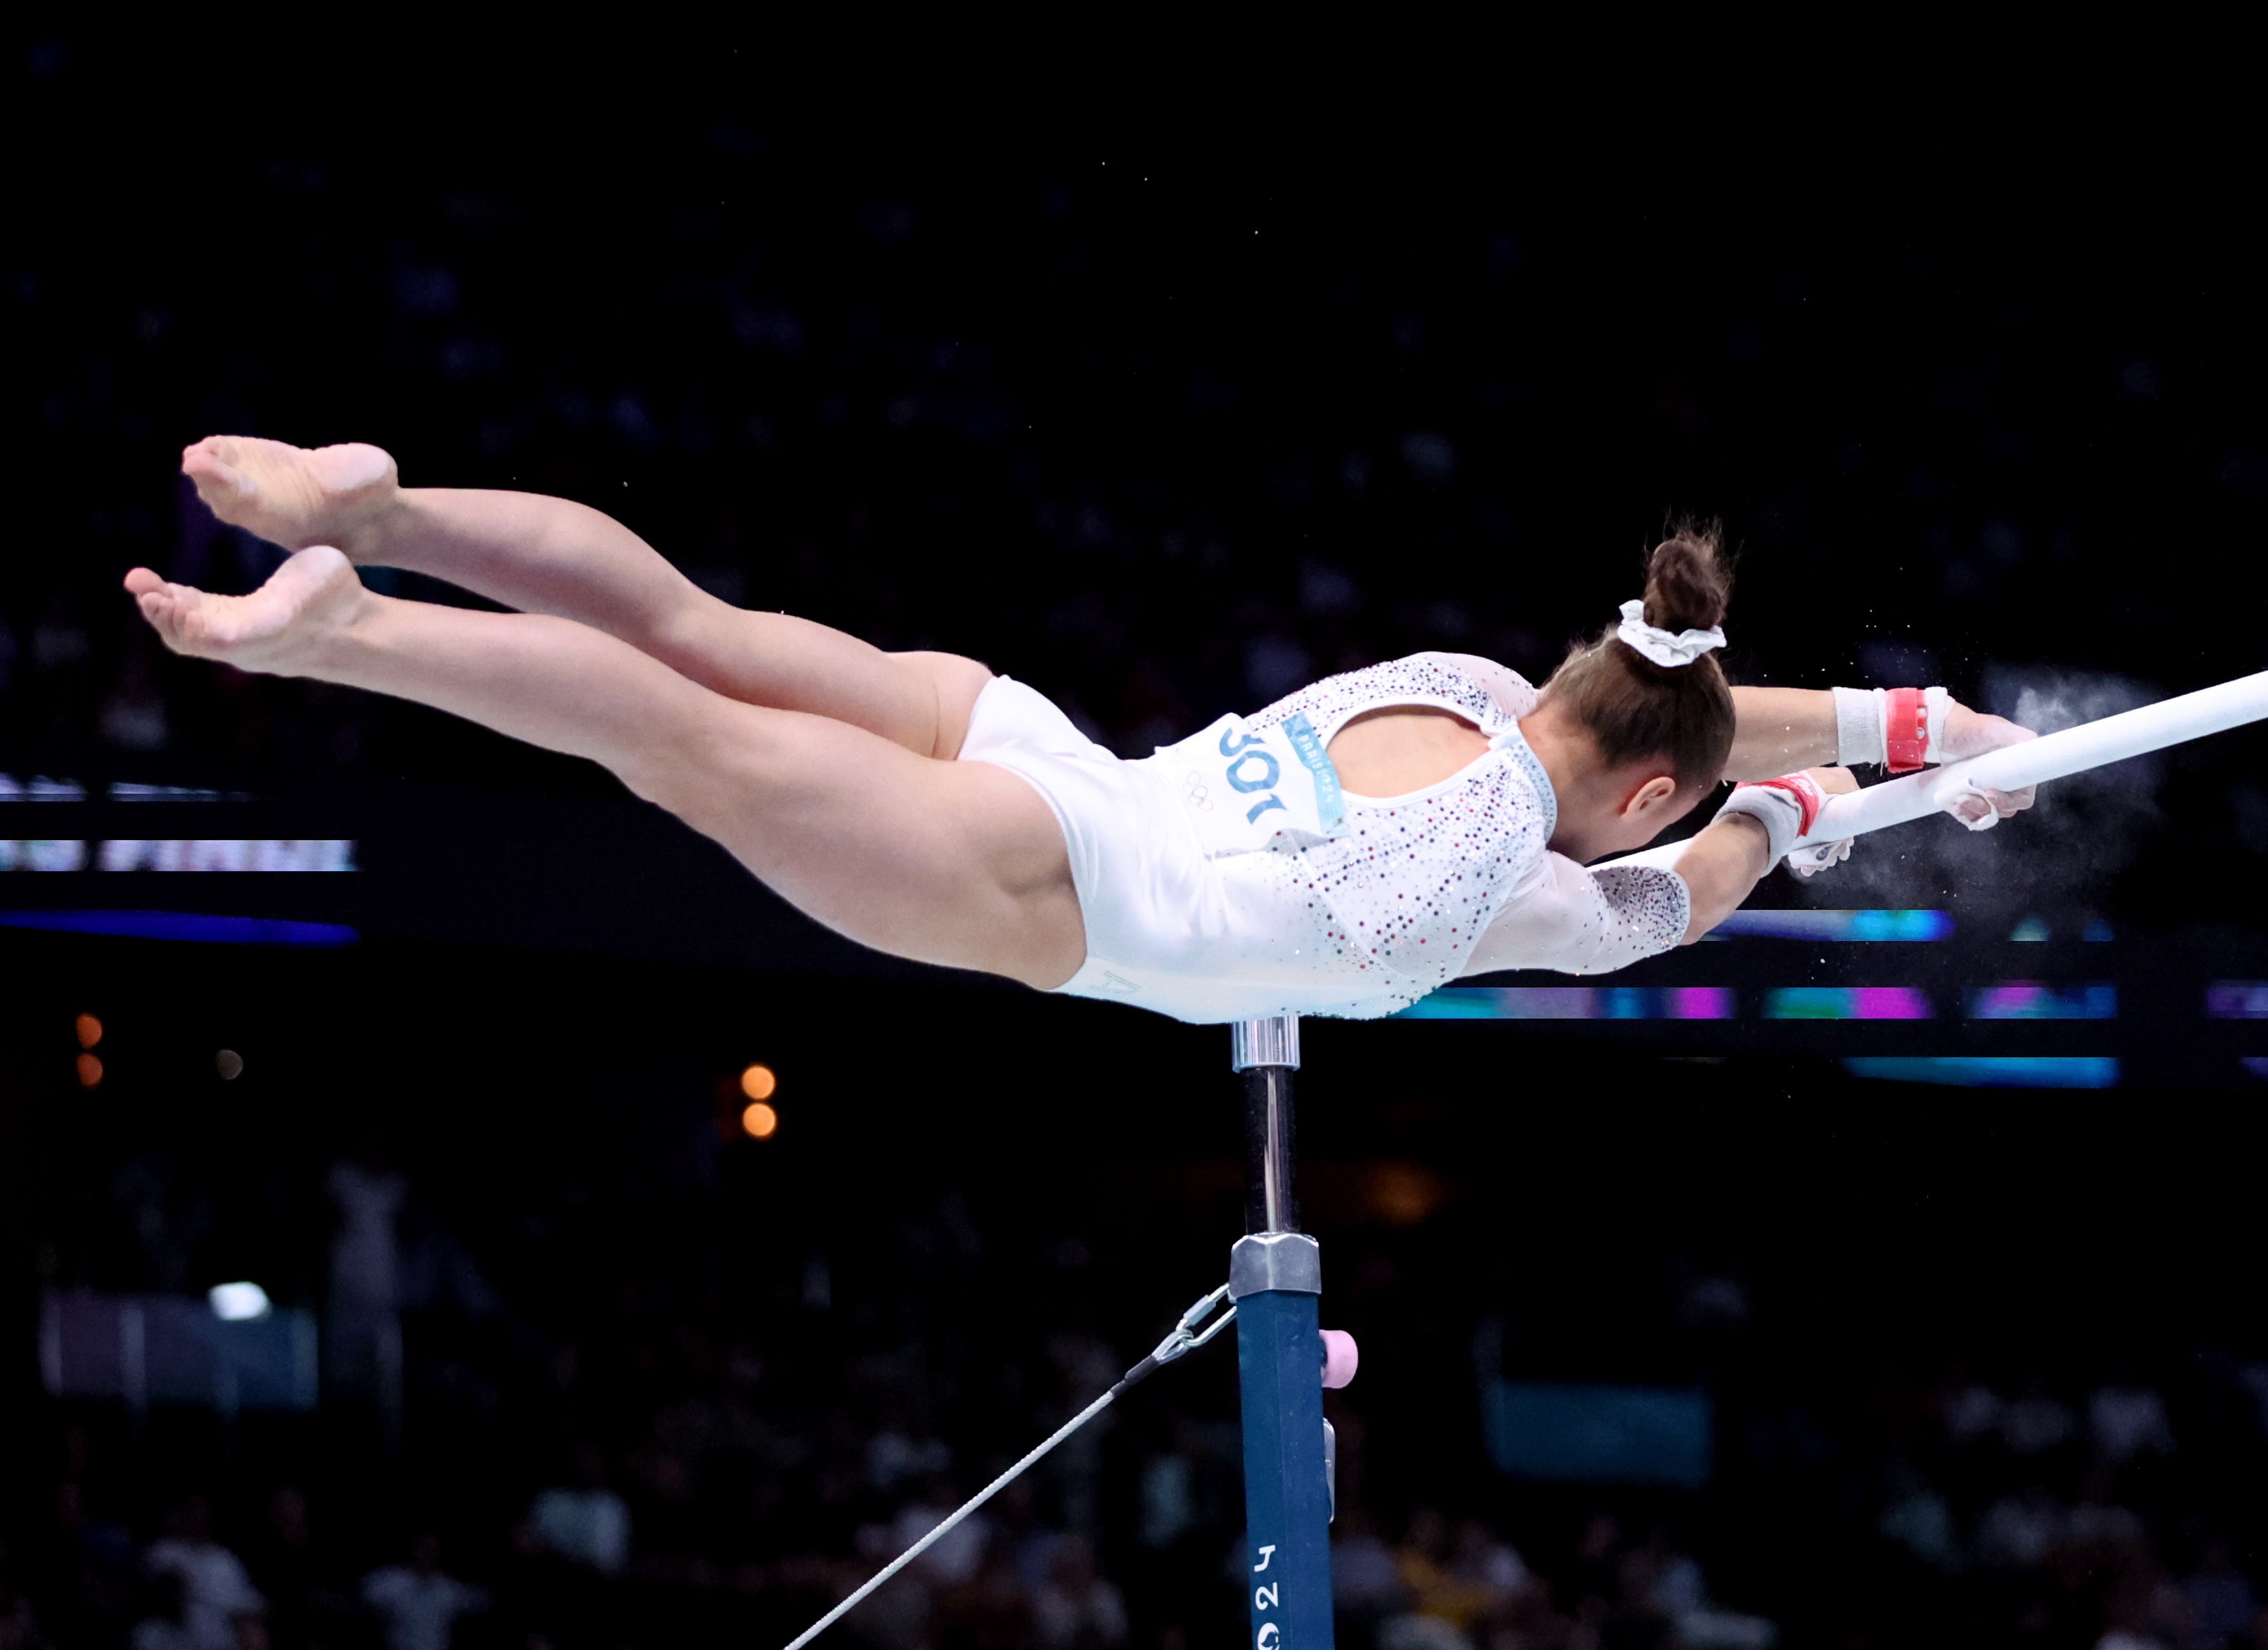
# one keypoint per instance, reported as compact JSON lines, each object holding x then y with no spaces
{"x":1266,"y":1052}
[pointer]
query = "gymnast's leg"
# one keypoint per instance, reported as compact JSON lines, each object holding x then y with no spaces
{"x":552,"y":555}
{"x":958,"y":863}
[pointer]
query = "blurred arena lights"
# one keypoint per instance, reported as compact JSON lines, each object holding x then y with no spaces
{"x":229,"y":1063}
{"x":90,"y":1070}
{"x":759,"y":1082}
{"x":185,"y":925}
{"x":2028,"y":999}
{"x":2237,"y":999}
{"x":89,"y":1029}
{"x":1573,"y":1001}
{"x":1875,"y":926}
{"x":1846,"y":1002}
{"x":238,"y":1303}
{"x":1972,"y":1071}
{"x":759,"y":1120}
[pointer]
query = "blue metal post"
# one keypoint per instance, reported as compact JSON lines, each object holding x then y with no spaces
{"x":1276,"y":1278}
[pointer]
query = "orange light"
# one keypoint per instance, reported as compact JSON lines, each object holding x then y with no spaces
{"x":759,"y":1083}
{"x":89,"y":1029}
{"x":759,"y":1120}
{"x":90,"y":1070}
{"x":1404,"y":1194}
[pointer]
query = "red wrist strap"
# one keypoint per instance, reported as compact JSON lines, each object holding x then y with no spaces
{"x":1804,"y":789}
{"x":1905,"y":732}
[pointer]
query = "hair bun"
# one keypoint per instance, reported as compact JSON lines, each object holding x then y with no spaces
{"x":1638,"y":710}
{"x":1688,"y":586}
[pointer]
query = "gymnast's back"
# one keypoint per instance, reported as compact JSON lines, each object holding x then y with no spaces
{"x":1229,"y":876}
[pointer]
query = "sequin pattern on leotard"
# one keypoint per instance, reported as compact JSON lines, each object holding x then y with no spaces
{"x":1403,"y":896}
{"x":1651,"y":909}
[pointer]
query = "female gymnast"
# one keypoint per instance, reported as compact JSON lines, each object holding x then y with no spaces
{"x":1344,"y":852}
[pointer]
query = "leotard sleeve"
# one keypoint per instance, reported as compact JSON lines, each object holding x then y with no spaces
{"x":1562,"y":917}
{"x":1511,"y":692}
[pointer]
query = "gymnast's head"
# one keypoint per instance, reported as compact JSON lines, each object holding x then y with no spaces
{"x":1635,"y":727}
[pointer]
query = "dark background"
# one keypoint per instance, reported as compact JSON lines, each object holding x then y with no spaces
{"x":1165,"y":410}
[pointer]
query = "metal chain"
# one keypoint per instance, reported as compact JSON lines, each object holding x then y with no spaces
{"x":1186,"y":1337}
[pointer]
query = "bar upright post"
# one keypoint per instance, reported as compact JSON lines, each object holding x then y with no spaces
{"x":1276,"y":1278}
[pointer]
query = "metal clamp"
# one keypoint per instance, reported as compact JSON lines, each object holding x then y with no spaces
{"x":1290,"y":1261}
{"x":1271,"y":1041}
{"x":1186,"y":1335}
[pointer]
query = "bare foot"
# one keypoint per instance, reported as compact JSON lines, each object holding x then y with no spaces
{"x":277,"y":629}
{"x":294,"y":497}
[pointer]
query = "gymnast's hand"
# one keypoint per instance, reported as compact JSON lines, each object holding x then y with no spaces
{"x":1809,"y":862}
{"x":1971,"y":733}
{"x":294,"y":497}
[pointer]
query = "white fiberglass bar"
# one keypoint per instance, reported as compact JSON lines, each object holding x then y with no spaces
{"x":2051,"y":756}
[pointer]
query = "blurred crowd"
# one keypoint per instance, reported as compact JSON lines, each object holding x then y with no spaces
{"x":680,"y":1463}
{"x":570,"y":1574}
{"x":2044,"y":1522}
{"x":2071,"y":1514}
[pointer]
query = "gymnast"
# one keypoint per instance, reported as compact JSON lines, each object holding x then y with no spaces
{"x":1344,"y":852}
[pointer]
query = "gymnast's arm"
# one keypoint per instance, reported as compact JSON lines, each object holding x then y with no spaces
{"x":1720,"y":866}
{"x":1779,"y":730}
{"x":1579,"y":919}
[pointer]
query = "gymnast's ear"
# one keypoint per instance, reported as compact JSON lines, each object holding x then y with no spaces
{"x":1650,"y":796}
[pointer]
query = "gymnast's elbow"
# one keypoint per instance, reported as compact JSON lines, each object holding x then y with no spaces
{"x":1710,"y":906}
{"x":1707,"y":912}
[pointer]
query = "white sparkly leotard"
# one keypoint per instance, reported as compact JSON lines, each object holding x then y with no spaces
{"x":1319,"y":902}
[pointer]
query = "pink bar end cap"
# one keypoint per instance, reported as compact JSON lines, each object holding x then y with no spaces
{"x":1339,"y":1358}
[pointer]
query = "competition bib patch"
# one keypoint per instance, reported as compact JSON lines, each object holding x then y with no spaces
{"x":1243,"y":787}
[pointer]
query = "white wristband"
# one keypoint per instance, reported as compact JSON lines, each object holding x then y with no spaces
{"x":1859,"y":714}
{"x":1862,"y":722}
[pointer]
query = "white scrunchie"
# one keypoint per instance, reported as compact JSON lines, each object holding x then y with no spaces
{"x":1670,"y":648}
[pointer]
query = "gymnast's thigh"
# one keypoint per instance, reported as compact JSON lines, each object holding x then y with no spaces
{"x":961,"y":864}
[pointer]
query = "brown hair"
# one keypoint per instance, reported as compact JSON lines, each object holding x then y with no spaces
{"x":1636,"y":709}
